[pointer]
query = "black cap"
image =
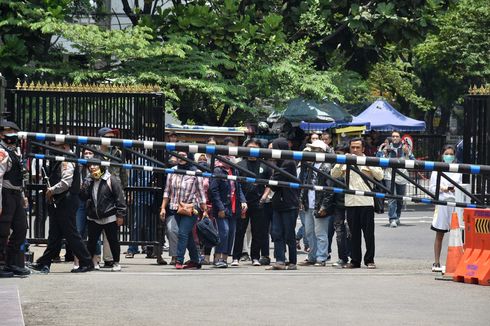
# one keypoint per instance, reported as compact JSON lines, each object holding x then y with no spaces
{"x":6,"y":125}
{"x":105,"y":130}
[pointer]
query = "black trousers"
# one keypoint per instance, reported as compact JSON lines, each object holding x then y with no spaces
{"x":361,"y":218}
{"x":94,"y":231}
{"x":343,"y":241}
{"x":260,"y":233}
{"x":13,"y":218}
{"x":62,"y":225}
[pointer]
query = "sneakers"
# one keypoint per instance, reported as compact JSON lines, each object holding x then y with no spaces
{"x":116,"y":267}
{"x":371,"y":266}
{"x":83,"y":269}
{"x":220,"y":264}
{"x":97,"y":267}
{"x":398,"y":221}
{"x":436,"y":267}
{"x":179,"y":265}
{"x":339,"y":263}
{"x":192,"y":265}
{"x":43,"y":269}
{"x":291,"y":267}
{"x":264,"y":261}
{"x":245,"y":257}
{"x":161,"y":261}
{"x":235,"y":263}
{"x":129,"y":255}
{"x":320,"y":264}
{"x":393,"y":224}
{"x":256,"y":262}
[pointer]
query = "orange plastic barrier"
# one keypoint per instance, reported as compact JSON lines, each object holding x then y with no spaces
{"x":474,"y":267}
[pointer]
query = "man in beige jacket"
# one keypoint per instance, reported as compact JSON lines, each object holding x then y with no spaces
{"x":360,"y":209}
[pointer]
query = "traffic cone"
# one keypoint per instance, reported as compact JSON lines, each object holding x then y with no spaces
{"x":455,"y":247}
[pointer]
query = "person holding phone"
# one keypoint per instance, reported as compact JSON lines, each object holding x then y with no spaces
{"x":441,"y":222}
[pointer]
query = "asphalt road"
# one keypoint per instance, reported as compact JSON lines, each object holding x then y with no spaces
{"x":401,"y":291}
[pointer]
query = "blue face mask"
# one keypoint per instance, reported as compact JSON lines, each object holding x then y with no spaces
{"x":448,"y":158}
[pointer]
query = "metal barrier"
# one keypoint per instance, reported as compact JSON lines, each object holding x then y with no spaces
{"x":266,"y":182}
{"x":440,"y":167}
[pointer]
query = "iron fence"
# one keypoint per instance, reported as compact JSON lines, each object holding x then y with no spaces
{"x":137,"y":115}
{"x":476,"y":141}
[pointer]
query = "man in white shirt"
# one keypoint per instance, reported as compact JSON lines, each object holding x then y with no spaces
{"x":360,"y":209}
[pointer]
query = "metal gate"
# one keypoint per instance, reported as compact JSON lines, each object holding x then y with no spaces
{"x":136,"y":111}
{"x":476,"y":139}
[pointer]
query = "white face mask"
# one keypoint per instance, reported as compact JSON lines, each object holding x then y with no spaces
{"x":88,"y":156}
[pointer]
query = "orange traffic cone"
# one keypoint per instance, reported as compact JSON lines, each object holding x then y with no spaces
{"x":455,"y":246}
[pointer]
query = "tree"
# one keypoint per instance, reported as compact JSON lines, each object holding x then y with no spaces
{"x":455,"y":56}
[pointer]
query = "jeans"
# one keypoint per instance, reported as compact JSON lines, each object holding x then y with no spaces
{"x":226,"y":229}
{"x":310,"y":235}
{"x":301,"y":231}
{"x":322,"y":230}
{"x":283,"y":226}
{"x":395,"y":205}
{"x":172,"y":233}
{"x":361,"y":218}
{"x":341,"y":230}
{"x":81,"y":218}
{"x":186,"y":239}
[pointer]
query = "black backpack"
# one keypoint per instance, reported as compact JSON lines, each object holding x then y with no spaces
{"x":208,"y":232}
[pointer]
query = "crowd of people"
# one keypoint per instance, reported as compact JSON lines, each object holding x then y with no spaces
{"x":89,"y":201}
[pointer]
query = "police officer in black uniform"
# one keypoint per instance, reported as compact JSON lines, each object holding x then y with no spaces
{"x":62,"y":196}
{"x":12,"y":204}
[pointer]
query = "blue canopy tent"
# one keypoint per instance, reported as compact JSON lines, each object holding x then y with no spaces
{"x":383,"y":117}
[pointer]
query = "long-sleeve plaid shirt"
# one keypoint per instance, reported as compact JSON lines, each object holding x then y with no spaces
{"x":184,"y":188}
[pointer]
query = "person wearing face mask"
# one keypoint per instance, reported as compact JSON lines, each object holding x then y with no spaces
{"x":285,"y":206}
{"x":397,"y":149}
{"x":228,"y":202}
{"x":117,"y":172}
{"x":254,"y":193}
{"x":62,"y":197}
{"x":180,"y":191}
{"x":81,"y":214}
{"x":12,"y":204}
{"x":441,"y":222}
{"x":106,"y":210}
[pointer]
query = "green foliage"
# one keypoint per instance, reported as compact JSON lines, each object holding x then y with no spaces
{"x":219,"y":62}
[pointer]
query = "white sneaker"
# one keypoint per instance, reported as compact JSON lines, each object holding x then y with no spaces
{"x":116,"y":267}
{"x":75,"y":266}
{"x":97,"y":267}
{"x":256,"y":262}
{"x":398,"y":221}
{"x":393,"y":224}
{"x":235,"y":262}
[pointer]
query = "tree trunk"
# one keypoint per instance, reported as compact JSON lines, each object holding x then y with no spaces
{"x":445,"y":115}
{"x":223,"y":115}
